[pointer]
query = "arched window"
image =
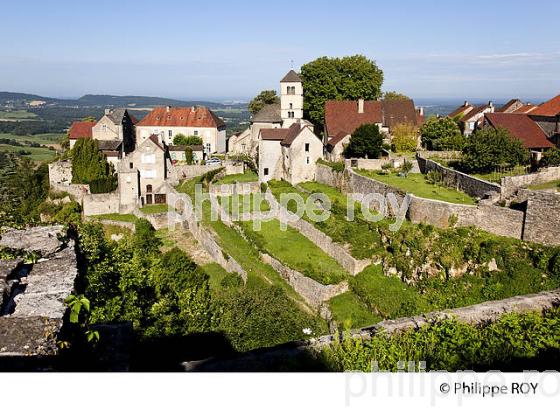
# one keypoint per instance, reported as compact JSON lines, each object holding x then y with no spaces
{"x":148,"y":188}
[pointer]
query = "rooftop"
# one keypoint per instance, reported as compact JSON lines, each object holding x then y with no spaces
{"x":182,"y":117}
{"x":81,"y":129}
{"x":522,"y":128}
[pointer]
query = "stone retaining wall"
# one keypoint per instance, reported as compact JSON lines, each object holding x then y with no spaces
{"x":328,"y":176}
{"x":510,"y":185}
{"x":542,"y":221}
{"x":78,"y":191}
{"x":239,"y":188}
{"x":178,"y":172}
{"x":472,"y":186}
{"x":99,"y":204}
{"x":314,"y":293}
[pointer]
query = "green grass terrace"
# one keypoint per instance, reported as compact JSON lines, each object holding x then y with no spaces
{"x":550,"y":185}
{"x":418,"y":185}
{"x":248,"y":176}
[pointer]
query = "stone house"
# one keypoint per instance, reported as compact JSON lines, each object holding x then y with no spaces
{"x":117,"y":125}
{"x":289,"y":154}
{"x":177,"y":153}
{"x":167,"y":122}
{"x":547,"y":116}
{"x":282,"y":115}
{"x":471,"y":117}
{"x":142,"y":175}
{"x":511,"y":106}
{"x":342,"y":118}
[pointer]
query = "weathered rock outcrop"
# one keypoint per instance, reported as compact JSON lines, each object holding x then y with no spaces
{"x":42,"y":239}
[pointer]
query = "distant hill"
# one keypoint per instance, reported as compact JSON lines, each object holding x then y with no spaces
{"x":21,"y":100}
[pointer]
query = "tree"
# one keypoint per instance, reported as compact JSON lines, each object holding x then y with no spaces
{"x":265,"y":97}
{"x":405,"y":137}
{"x":89,"y":166}
{"x":181,"y":139}
{"x":551,"y":158}
{"x":394,"y":96}
{"x":366,"y":141}
{"x":440,"y":134}
{"x":490,"y":148}
{"x":189,"y":155}
{"x":145,"y":236}
{"x":346,"y":78}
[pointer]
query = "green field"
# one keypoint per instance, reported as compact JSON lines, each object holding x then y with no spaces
{"x":117,"y":217}
{"x":248,"y":176}
{"x":37,"y":154}
{"x":245,"y":203}
{"x":296,"y":251}
{"x":349,"y":312}
{"x":417,"y":184}
{"x":18,"y":115}
{"x":155,"y":208}
{"x":547,"y":185}
{"x":43,"y":139}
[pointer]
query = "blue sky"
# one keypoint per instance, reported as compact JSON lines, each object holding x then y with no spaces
{"x":232,"y":49}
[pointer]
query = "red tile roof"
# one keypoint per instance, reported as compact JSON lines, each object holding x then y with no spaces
{"x":551,"y":108}
{"x":399,"y":112}
{"x":521,"y":127}
{"x":81,"y":129}
{"x":336,"y":139}
{"x":476,"y":110}
{"x":181,"y":117}
{"x":525,"y":109}
{"x":462,"y":110}
{"x":274,"y":134}
{"x":343,"y":116}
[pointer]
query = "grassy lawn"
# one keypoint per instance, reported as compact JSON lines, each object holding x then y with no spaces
{"x":248,"y":176}
{"x":118,"y":217}
{"x":44,"y":139}
{"x":497,"y":175}
{"x":115,"y":230}
{"x":216,"y":274}
{"x":37,"y":154}
{"x":547,"y":185}
{"x":296,"y":251}
{"x":154,"y":208}
{"x":416,"y":184}
{"x":245,"y":203}
{"x":349,"y":312}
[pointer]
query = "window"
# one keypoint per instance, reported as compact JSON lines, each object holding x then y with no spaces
{"x":149,"y":189}
{"x":149,"y":173}
{"x":291,"y":90}
{"x":290,"y":114}
{"x":195,"y":133}
{"x":208,"y":147}
{"x":104,"y":127}
{"x":307,"y":160}
{"x":148,"y":158}
{"x":130,"y":165}
{"x":170,"y":133}
{"x":291,"y":106}
{"x":266,"y":171}
{"x":307,"y":147}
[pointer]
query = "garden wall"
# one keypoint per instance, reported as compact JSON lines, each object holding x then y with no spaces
{"x":510,"y":185}
{"x":542,"y":220}
{"x":475,"y":187}
{"x":178,"y":172}
{"x":98,"y":204}
{"x":78,"y":191}
{"x":314,"y":293}
{"x":239,"y":188}
{"x":328,"y":176}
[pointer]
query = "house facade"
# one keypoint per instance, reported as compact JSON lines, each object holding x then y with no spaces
{"x":116,"y":125}
{"x":177,"y":153}
{"x":167,"y":122}
{"x":142,"y":175}
{"x":289,"y":154}
{"x":547,"y":116}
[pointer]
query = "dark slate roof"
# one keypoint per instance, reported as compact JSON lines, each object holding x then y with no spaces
{"x":116,"y":115}
{"x":269,"y":113}
{"x":291,"y":77}
{"x":292,"y":134}
{"x":109,"y":145}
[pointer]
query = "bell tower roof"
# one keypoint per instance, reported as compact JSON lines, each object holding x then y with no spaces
{"x":291,"y":77}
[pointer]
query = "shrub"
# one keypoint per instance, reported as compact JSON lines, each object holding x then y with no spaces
{"x":440,"y":134}
{"x":181,"y":139}
{"x":405,"y":138}
{"x":490,"y":148}
{"x":551,"y":158}
{"x":189,"y":155}
{"x":365,"y":141}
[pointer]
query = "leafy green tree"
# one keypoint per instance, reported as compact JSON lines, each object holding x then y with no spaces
{"x":394,"y":96}
{"x":182,"y":139}
{"x":404,"y":137}
{"x":89,"y":166}
{"x":145,"y":236}
{"x":265,"y":97}
{"x":366,"y":142}
{"x":346,"y":78}
{"x":550,"y":158}
{"x":490,"y":148}
{"x":189,"y":155}
{"x":440,"y":134}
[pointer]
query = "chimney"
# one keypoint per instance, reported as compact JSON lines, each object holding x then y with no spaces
{"x":361,"y":106}
{"x":466,"y":103}
{"x":421,"y":111}
{"x":491,"y":105}
{"x":167,"y":108}
{"x":107,"y":111}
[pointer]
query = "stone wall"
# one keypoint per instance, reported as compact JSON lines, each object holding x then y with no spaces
{"x":98,"y":204}
{"x":328,"y":176}
{"x":60,"y":172}
{"x":234,"y":167}
{"x":542,"y":220}
{"x":474,"y":187}
{"x":314,"y":293}
{"x":238,"y":188}
{"x":178,"y":172}
{"x":510,"y":185}
{"x":77,"y":191}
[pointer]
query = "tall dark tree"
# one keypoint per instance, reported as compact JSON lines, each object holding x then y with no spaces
{"x":366,"y":142}
{"x":265,"y":97}
{"x":346,"y":78}
{"x":89,"y":166}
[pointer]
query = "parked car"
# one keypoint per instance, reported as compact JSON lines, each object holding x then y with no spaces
{"x":213,"y":161}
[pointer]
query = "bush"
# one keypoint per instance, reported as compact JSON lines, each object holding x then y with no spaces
{"x":405,"y":138}
{"x":103,"y":185}
{"x":490,"y":148}
{"x":551,"y":158}
{"x":181,"y":139}
{"x":189,"y":155}
{"x":439,"y":134}
{"x":365,"y":141}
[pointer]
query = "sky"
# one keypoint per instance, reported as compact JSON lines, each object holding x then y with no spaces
{"x":223,"y":50}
